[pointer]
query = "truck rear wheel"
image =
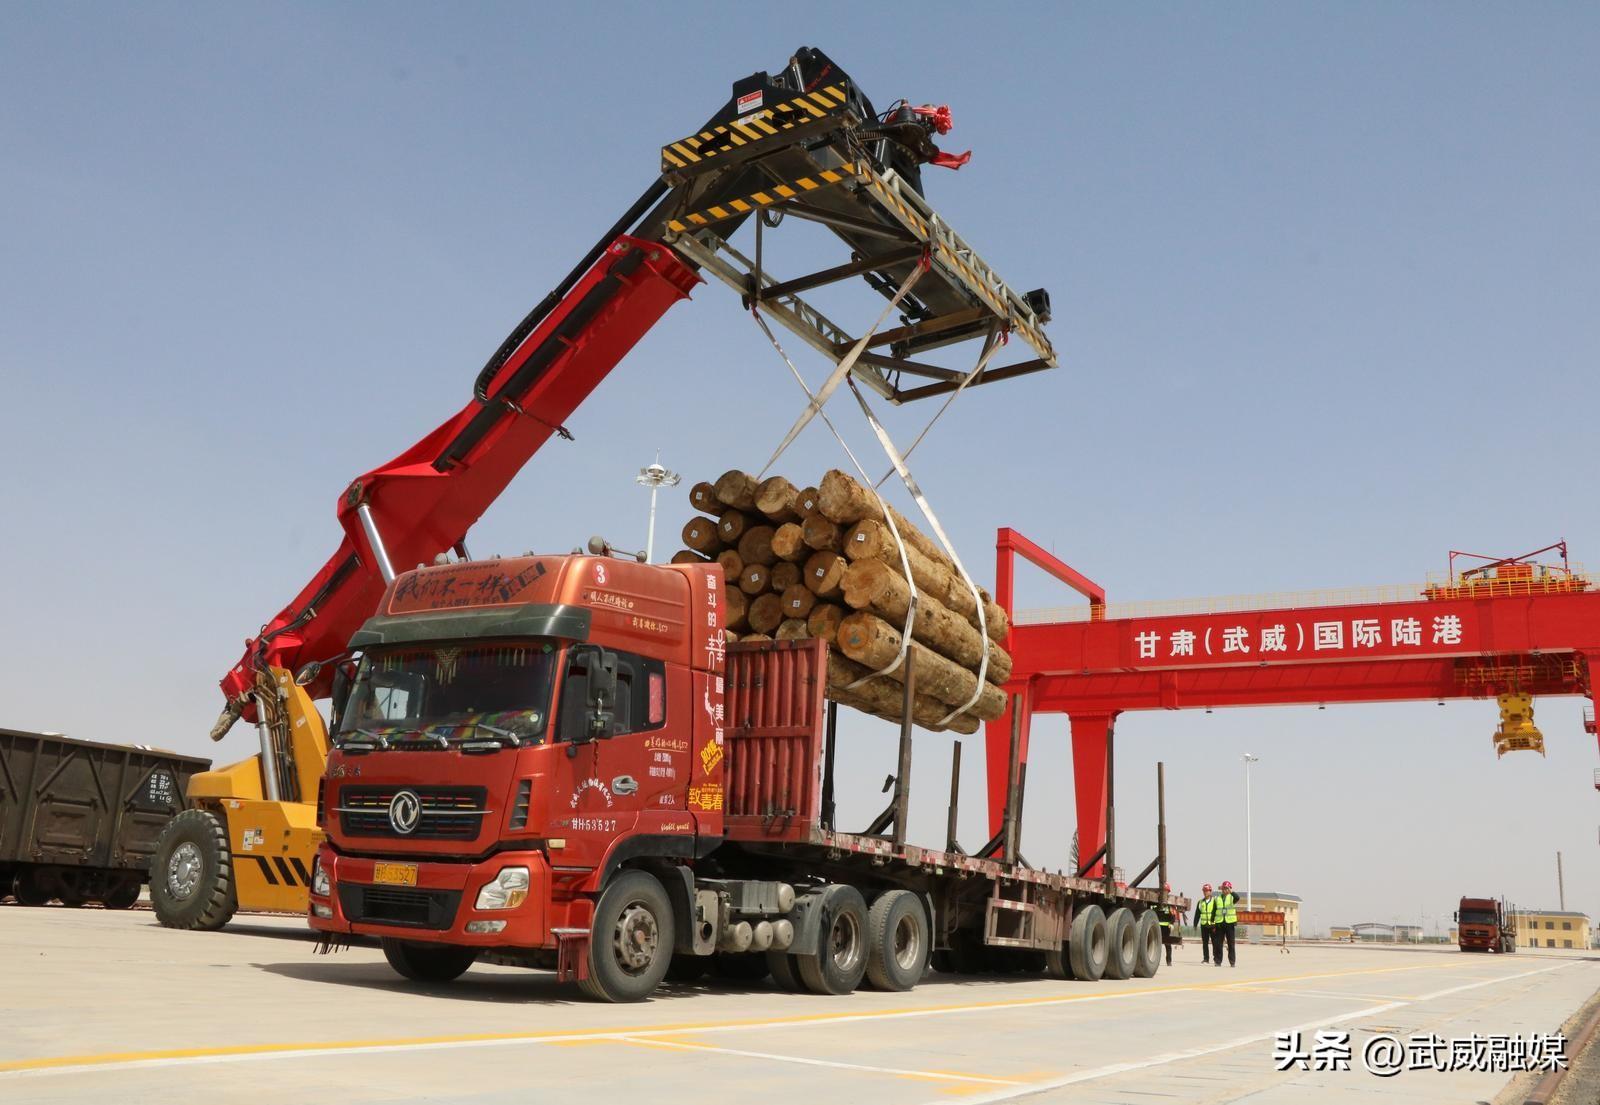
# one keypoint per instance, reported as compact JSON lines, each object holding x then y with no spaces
{"x":1087,"y":944}
{"x":1147,"y":941}
{"x":28,"y":889}
{"x":1122,"y":953}
{"x":630,"y":946}
{"x":428,"y":962}
{"x":785,"y":970}
{"x":191,"y":873}
{"x":840,"y":960}
{"x":897,"y":941}
{"x":1057,"y":964}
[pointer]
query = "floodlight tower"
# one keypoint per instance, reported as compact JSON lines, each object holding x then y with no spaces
{"x":655,"y":477}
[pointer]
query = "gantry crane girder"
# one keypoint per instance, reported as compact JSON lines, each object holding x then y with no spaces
{"x":1524,"y":636}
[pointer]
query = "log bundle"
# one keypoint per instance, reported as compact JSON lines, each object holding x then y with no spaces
{"x":822,"y":561}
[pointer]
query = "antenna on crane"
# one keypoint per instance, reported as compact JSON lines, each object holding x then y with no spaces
{"x":655,"y":477}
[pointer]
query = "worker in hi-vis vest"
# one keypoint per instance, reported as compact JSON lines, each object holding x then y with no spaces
{"x":1224,"y":919}
{"x":1165,"y":915}
{"x":1202,"y":921}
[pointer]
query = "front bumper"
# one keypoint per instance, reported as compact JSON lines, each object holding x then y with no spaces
{"x":439,"y":907}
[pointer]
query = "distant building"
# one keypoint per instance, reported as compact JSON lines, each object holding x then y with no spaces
{"x":1274,"y":902}
{"x":1551,"y":928}
{"x":1340,"y":932}
{"x":1378,"y":932}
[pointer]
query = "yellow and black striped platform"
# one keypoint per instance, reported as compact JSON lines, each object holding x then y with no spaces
{"x":754,"y":127}
{"x":773,"y":193}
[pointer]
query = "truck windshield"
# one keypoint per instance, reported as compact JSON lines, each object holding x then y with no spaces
{"x":454,"y":691}
{"x":1477,"y":917}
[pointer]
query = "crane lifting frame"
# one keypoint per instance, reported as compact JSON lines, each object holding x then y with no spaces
{"x":831,"y":181}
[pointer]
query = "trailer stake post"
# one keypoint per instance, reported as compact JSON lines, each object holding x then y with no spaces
{"x":1012,"y":780}
{"x":1111,"y":808}
{"x":950,"y":843}
{"x":902,"y":775}
{"x":1161,"y":825}
{"x":830,"y":746}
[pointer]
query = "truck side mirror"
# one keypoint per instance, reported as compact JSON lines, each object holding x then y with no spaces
{"x":600,"y":721}
{"x":594,"y":670}
{"x":1456,"y":916}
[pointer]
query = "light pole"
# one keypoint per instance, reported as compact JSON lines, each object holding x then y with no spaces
{"x":1249,"y":881}
{"x":655,"y":478}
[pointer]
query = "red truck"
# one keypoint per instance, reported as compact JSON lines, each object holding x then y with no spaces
{"x":1485,"y":925}
{"x":558,"y":760}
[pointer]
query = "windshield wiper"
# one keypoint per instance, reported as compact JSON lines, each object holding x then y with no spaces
{"x":498,"y":739}
{"x":375,"y":742}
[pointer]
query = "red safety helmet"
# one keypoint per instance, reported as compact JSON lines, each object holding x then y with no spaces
{"x":1166,"y":888}
{"x":1207,"y":887}
{"x":1226,"y":885}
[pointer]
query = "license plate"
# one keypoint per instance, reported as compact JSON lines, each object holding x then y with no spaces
{"x":395,"y":874}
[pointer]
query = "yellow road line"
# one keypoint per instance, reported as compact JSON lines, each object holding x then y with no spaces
{"x":246,"y":1052}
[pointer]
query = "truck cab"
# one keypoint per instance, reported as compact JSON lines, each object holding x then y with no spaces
{"x":1481,"y":925}
{"x":514,"y":732}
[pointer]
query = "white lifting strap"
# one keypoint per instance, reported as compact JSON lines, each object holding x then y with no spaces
{"x":841,"y":371}
{"x":927,"y":512}
{"x":883,"y":508}
{"x":991,"y":346}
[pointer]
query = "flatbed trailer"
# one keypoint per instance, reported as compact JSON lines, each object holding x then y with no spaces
{"x":559,"y":761}
{"x":79,"y":819}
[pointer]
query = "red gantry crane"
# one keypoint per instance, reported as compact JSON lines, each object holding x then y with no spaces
{"x":1509,"y":628}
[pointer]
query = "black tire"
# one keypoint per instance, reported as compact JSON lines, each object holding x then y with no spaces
{"x":428,"y":962}
{"x":124,"y":896}
{"x":1148,"y":945}
{"x":744,"y":967}
{"x":839,"y":960}
{"x":968,"y":956}
{"x":785,"y":970}
{"x":1087,"y":945}
{"x":688,"y":968}
{"x":191,"y":873}
{"x":1057,"y":963}
{"x":1122,"y":953}
{"x":28,"y":890}
{"x":630,"y":946}
{"x":897,"y":941}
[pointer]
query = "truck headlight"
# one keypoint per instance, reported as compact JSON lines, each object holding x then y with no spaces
{"x":508,"y":890}
{"x":320,"y":886}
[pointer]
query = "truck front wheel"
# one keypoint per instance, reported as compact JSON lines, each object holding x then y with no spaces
{"x":191,"y":873}
{"x":630,"y":946}
{"x":428,"y":962}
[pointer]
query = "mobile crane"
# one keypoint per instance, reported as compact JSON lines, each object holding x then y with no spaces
{"x":802,"y":145}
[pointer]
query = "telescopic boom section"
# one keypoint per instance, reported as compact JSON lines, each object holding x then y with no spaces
{"x":425,"y":500}
{"x":802,"y":142}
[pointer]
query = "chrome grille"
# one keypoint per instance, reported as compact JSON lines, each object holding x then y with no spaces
{"x":448,"y":813}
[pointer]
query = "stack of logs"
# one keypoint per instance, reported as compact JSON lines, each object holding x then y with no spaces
{"x":823,"y":562}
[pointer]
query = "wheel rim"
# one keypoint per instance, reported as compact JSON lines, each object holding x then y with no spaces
{"x":907,"y":943}
{"x":183,"y":871}
{"x":844,"y":942}
{"x":636,"y":938}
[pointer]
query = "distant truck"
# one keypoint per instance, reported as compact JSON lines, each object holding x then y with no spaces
{"x":79,"y":819}
{"x":1485,"y":925}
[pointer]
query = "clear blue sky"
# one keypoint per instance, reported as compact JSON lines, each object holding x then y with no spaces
{"x":1324,"y":281}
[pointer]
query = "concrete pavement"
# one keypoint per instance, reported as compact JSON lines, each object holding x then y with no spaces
{"x":98,"y":1006}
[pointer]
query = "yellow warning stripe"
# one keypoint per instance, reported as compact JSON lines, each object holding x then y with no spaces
{"x":773,"y":193}
{"x":765,"y":123}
